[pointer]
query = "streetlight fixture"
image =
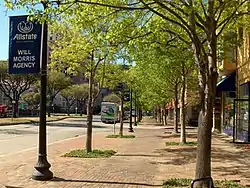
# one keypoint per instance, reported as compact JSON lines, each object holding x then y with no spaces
{"x":42,"y":166}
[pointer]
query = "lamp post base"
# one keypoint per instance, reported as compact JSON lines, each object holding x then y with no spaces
{"x":42,"y":171}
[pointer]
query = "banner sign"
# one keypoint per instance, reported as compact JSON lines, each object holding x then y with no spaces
{"x":24,"y":46}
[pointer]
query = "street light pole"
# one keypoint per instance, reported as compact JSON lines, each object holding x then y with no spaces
{"x":130,"y":113}
{"x":135,"y":123}
{"x":42,"y":166}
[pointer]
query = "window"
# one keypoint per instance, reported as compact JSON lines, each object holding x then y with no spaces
{"x":244,"y":90}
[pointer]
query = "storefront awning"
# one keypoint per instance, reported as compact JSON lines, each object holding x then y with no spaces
{"x":227,"y":83}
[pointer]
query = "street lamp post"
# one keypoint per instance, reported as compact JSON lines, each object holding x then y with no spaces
{"x":42,"y":166}
{"x":130,"y":114}
{"x":135,"y":123}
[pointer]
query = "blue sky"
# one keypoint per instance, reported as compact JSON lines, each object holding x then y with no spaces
{"x":4,"y":29}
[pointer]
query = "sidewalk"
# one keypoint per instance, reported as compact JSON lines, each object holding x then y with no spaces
{"x":141,"y":162}
{"x":130,"y":167}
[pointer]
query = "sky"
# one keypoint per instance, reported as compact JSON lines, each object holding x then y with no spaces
{"x":4,"y":29}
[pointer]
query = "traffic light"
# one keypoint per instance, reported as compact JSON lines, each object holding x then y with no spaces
{"x":126,"y":97}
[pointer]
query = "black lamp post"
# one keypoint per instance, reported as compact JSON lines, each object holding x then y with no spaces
{"x":135,"y":123}
{"x":130,"y":114}
{"x":42,"y":166}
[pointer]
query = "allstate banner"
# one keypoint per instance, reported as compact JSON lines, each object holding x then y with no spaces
{"x":24,"y":46}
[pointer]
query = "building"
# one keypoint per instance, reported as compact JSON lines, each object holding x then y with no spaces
{"x":233,"y":89}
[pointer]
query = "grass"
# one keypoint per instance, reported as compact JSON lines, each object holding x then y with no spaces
{"x":181,"y":144}
{"x":184,"y":182}
{"x":118,"y":136}
{"x":80,"y":153}
{"x":20,"y":120}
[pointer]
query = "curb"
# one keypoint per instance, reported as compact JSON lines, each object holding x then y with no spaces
{"x":223,"y":137}
{"x":31,"y":121}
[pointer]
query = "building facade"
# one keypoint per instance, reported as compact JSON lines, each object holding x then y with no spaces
{"x":233,"y":89}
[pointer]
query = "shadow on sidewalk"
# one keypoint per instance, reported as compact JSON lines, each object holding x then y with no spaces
{"x":177,"y":156}
{"x":105,"y":182}
{"x":179,"y":128}
{"x":137,"y":155}
{"x":169,"y":135}
{"x":231,"y":163}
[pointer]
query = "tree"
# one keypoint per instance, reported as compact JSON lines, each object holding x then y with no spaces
{"x":83,"y":48}
{"x":69,"y":95}
{"x":57,"y":81}
{"x":80,"y":94}
{"x":13,"y":85}
{"x":32,"y":99}
{"x":117,"y":78}
{"x":197,"y":22}
{"x":112,"y":98}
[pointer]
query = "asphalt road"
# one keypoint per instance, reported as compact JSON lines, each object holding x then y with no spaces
{"x":17,"y":138}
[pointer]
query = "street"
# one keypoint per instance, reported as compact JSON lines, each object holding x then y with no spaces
{"x":17,"y":138}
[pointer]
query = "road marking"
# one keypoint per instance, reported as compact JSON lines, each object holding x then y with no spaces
{"x":56,"y":142}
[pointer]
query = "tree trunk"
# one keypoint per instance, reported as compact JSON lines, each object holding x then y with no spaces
{"x":49,"y":109}
{"x":68,"y":111}
{"x":81,"y":106}
{"x":203,"y":161}
{"x":165,"y":116}
{"x":183,"y":108}
{"x":68,"y":108}
{"x":140,"y":114}
{"x":162,"y":115}
{"x":32,"y":111}
{"x":122,"y":116}
{"x":89,"y":115}
{"x":176,"y":110}
{"x":158,"y":114}
{"x":207,"y":94}
{"x":155,"y":113}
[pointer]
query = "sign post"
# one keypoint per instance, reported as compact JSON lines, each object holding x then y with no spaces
{"x":24,"y":46}
{"x":42,"y":166}
{"x":25,"y":57}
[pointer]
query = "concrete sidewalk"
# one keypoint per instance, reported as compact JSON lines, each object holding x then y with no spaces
{"x":141,"y":162}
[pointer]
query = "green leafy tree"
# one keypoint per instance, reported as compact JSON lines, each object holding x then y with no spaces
{"x":198,"y":23}
{"x":112,"y":98}
{"x":117,"y":78}
{"x":80,"y":94}
{"x":83,"y":48}
{"x":57,"y":81}
{"x":13,"y":85}
{"x":69,"y":96}
{"x":32,"y":99}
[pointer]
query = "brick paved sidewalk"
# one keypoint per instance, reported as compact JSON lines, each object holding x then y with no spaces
{"x":130,"y":167}
{"x":141,"y":162}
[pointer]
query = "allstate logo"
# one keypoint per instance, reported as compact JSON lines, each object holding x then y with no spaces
{"x":25,"y":27}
